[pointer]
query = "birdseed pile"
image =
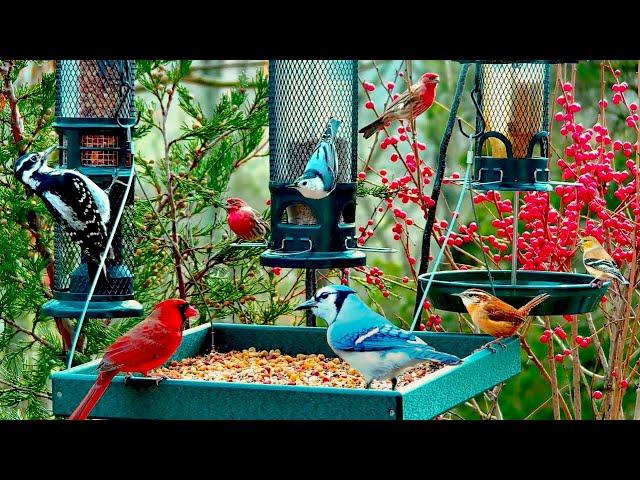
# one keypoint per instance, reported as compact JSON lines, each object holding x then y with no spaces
{"x":273,"y":367}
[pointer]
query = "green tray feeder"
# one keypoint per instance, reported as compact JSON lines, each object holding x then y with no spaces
{"x":95,"y":113}
{"x":512,"y":118}
{"x":207,"y":400}
{"x":303,"y":95}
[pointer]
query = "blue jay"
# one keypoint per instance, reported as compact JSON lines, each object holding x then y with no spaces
{"x":366,"y":340}
{"x":319,"y":177}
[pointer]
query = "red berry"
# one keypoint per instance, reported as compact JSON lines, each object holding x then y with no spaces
{"x":567,"y":87}
{"x":566,"y":352}
{"x":370,"y":105}
{"x":405,"y":279}
{"x":276,"y":270}
{"x":597,"y":395}
{"x":362,"y":176}
{"x":560,"y":333}
{"x":385,"y":293}
{"x":559,"y":357}
{"x":383,"y":172}
{"x":391,"y":85}
{"x":422,"y":327}
{"x":369,"y":87}
{"x":268,"y":202}
{"x":633,"y":106}
{"x":624,"y":383}
{"x":544,"y":338}
{"x":394,"y":157}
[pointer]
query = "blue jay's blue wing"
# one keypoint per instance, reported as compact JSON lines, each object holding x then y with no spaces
{"x":324,"y":159}
{"x":387,"y":337}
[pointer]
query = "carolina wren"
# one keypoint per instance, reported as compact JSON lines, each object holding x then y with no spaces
{"x":495,"y":317}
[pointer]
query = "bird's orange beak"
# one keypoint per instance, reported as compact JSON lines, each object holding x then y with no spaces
{"x":190,"y":312}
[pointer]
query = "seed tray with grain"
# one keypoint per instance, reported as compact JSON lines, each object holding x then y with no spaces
{"x":273,"y":367}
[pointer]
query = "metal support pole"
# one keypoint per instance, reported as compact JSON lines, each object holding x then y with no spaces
{"x":514,"y":240}
{"x":310,"y":290}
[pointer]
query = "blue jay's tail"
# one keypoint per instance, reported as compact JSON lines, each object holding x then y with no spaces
{"x":332,"y":129}
{"x":429,"y":353}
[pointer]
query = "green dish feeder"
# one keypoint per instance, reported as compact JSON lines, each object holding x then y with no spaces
{"x":207,"y":400}
{"x":571,"y":293}
{"x":95,"y":114}
{"x":309,"y":233}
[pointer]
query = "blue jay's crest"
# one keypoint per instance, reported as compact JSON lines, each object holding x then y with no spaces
{"x":320,"y":174}
{"x":366,"y":340}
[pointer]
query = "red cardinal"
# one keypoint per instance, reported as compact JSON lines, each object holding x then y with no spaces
{"x":244,"y":221}
{"x":146,"y":346}
{"x":417,"y":100}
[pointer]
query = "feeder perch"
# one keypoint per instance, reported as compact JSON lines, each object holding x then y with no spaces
{"x":513,"y":99}
{"x":207,"y":400}
{"x":303,"y":95}
{"x":95,"y":114}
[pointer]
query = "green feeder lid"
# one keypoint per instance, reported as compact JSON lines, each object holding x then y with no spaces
{"x":107,"y":309}
{"x":571,"y":293}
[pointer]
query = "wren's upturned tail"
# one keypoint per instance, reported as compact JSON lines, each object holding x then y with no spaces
{"x":527,"y":307}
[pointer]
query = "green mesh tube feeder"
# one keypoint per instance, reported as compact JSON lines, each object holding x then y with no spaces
{"x":95,"y":113}
{"x":511,"y":101}
{"x":513,"y":107}
{"x":303,"y":95}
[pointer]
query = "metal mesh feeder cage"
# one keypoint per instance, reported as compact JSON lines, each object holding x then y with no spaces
{"x":95,"y":114}
{"x":512,"y":119}
{"x":303,"y":96}
{"x":513,"y":114}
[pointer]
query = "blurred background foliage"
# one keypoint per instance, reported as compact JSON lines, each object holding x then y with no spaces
{"x":204,"y":136}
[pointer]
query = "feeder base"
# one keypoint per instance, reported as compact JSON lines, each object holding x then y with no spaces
{"x":73,"y":309}
{"x":571,"y":293}
{"x":345,"y":259}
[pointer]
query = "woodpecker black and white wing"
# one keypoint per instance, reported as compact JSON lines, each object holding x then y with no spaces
{"x":70,"y":200}
{"x":99,"y":196}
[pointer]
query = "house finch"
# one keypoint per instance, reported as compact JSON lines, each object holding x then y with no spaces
{"x":418,"y":99}
{"x":244,"y":221}
{"x":146,"y":346}
{"x":598,"y":262}
{"x":495,"y":317}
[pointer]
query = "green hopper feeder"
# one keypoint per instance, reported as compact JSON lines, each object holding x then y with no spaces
{"x":95,"y":114}
{"x":512,"y":121}
{"x":303,"y":96}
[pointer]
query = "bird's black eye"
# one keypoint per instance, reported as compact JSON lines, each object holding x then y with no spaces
{"x":323,"y":296}
{"x":304,"y":183}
